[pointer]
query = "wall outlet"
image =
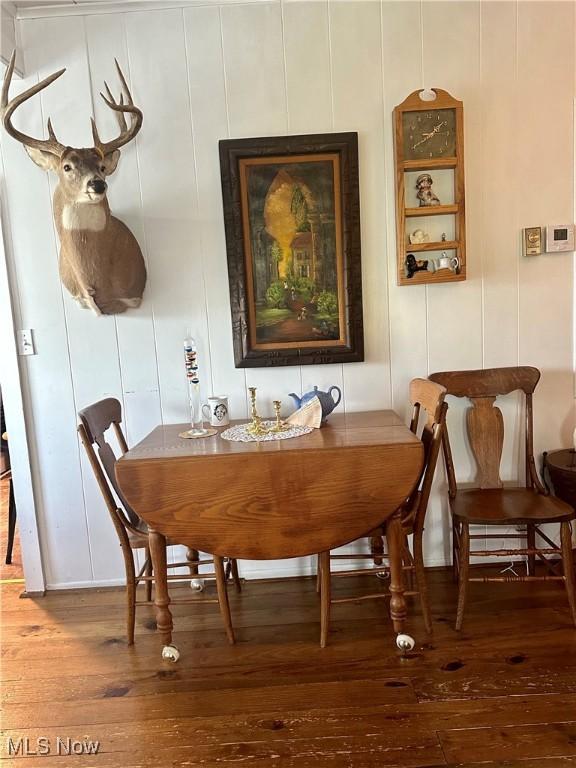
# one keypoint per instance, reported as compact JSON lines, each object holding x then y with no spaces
{"x":26,"y":342}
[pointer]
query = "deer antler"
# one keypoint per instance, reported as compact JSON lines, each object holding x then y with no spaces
{"x":121,"y":108}
{"x":7,"y":109}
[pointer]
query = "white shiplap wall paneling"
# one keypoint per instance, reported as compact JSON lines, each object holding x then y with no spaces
{"x":309,"y":102}
{"x":58,"y":492}
{"x":499,"y":253}
{"x":253,"y":45}
{"x":135,"y":330}
{"x":499,"y":250}
{"x":92,"y":344}
{"x":253,"y":54}
{"x":169,"y":200}
{"x":402,"y":66}
{"x":546,"y":305}
{"x":358,"y":106}
{"x":451,"y":59}
{"x":275,"y":68}
{"x":207,"y":85}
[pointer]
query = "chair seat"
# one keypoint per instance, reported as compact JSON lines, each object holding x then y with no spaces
{"x":140,"y":539}
{"x":508,"y":506}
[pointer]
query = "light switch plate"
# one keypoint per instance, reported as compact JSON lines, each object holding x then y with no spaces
{"x":26,"y":342}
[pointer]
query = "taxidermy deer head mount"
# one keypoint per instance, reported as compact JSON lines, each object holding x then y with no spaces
{"x":101,"y":264}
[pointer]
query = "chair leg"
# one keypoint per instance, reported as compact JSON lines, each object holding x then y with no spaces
{"x":568,"y":564}
{"x":421,"y":580}
{"x":455,"y":552}
{"x":130,"y":592}
{"x":377,"y":548}
{"x":192,"y":557}
{"x":11,"y":524}
{"x":409,"y":565}
{"x":531,"y":542}
{"x":463,"y":564}
{"x":223,"y":597}
{"x":324,"y":573}
{"x":148,"y":574}
{"x":236,"y":575}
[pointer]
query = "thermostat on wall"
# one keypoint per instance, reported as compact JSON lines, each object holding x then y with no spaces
{"x":559,"y":237}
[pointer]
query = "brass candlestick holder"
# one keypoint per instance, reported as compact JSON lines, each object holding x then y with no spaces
{"x":280,"y":425}
{"x":256,"y":428}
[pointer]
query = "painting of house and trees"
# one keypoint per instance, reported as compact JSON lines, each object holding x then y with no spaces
{"x":292,"y":234}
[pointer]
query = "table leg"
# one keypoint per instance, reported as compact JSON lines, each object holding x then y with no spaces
{"x":394,"y":537}
{"x":325,"y":597}
{"x":161,"y":596}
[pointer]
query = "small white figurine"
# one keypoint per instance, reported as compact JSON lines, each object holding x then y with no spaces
{"x":425,"y":194}
{"x":419,"y":236}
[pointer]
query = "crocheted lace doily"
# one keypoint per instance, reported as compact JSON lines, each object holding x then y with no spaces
{"x":240,"y":433}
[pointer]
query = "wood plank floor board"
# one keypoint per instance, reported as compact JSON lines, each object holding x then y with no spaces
{"x":537,"y":762}
{"x":502,"y":693}
{"x":366,"y":752}
{"x":465,"y":680}
{"x":518,"y":741}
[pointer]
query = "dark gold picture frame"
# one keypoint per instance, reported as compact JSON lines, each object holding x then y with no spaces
{"x":292,"y":221}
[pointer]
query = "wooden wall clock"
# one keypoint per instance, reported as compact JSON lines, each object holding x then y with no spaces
{"x":430,"y":204}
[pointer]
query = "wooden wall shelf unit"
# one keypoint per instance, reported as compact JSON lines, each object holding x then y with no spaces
{"x":429,"y":137}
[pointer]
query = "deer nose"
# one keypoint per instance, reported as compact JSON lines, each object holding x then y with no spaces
{"x":97,"y":185}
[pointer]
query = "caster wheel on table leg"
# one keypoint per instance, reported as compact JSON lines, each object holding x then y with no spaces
{"x":170,"y":653}
{"x":384,"y":575}
{"x":197,"y":585}
{"x":405,"y":642}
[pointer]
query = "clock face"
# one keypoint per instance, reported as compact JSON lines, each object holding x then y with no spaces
{"x":429,"y":133}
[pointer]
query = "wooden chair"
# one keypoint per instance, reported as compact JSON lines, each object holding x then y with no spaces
{"x":489,"y":503}
{"x":95,"y":421}
{"x":7,"y":475}
{"x":427,"y":396}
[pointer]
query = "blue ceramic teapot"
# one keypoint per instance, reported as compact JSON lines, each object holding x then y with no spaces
{"x":326,"y":400}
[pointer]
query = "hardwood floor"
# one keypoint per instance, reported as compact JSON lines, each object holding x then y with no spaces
{"x":501,"y":693}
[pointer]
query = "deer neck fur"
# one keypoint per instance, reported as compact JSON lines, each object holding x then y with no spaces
{"x":74,"y":217}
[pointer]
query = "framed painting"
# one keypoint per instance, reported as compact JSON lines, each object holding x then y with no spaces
{"x":292,"y":220}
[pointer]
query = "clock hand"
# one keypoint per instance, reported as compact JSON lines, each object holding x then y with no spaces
{"x":428,"y":135}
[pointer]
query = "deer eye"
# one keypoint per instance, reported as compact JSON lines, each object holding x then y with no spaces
{"x":102,"y":168}
{"x":67,"y":167}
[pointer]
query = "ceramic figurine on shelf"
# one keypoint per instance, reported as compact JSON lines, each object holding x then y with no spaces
{"x":413,"y":265}
{"x":419,"y":236}
{"x":327,"y":401}
{"x":425,"y":193}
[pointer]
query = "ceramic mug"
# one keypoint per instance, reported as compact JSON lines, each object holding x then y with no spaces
{"x":216,"y":411}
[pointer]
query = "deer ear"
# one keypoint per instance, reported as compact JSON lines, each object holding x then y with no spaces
{"x":111,"y":161}
{"x":46,"y":160}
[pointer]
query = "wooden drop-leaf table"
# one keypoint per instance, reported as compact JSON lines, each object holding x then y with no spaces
{"x":271,"y":500}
